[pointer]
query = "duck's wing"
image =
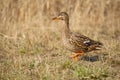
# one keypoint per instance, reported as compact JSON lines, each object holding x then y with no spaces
{"x":85,"y":42}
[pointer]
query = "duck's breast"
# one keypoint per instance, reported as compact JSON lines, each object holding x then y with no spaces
{"x":70,"y":45}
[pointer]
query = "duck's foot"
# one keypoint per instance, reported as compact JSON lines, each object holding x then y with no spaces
{"x":76,"y":56}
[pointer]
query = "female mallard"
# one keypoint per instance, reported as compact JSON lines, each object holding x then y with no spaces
{"x":76,"y":42}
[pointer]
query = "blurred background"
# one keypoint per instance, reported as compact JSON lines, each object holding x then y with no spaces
{"x":29,"y":37}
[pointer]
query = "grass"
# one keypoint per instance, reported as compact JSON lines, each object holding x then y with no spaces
{"x":31,"y":47}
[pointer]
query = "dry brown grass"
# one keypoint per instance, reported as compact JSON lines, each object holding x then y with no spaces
{"x":30,"y":43}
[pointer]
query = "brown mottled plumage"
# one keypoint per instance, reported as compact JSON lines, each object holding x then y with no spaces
{"x":76,"y":42}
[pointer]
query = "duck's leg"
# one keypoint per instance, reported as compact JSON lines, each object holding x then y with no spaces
{"x":76,"y":55}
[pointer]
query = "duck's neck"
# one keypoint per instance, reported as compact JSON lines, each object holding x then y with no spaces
{"x":66,"y":30}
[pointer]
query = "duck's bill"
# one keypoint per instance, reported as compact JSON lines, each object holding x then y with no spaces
{"x":56,"y":18}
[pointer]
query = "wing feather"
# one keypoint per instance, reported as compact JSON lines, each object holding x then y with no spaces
{"x":84,"y":42}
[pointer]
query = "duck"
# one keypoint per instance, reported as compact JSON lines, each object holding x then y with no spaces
{"x":74,"y":41}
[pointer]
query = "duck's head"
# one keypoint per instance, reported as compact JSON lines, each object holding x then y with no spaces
{"x":62,"y":16}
